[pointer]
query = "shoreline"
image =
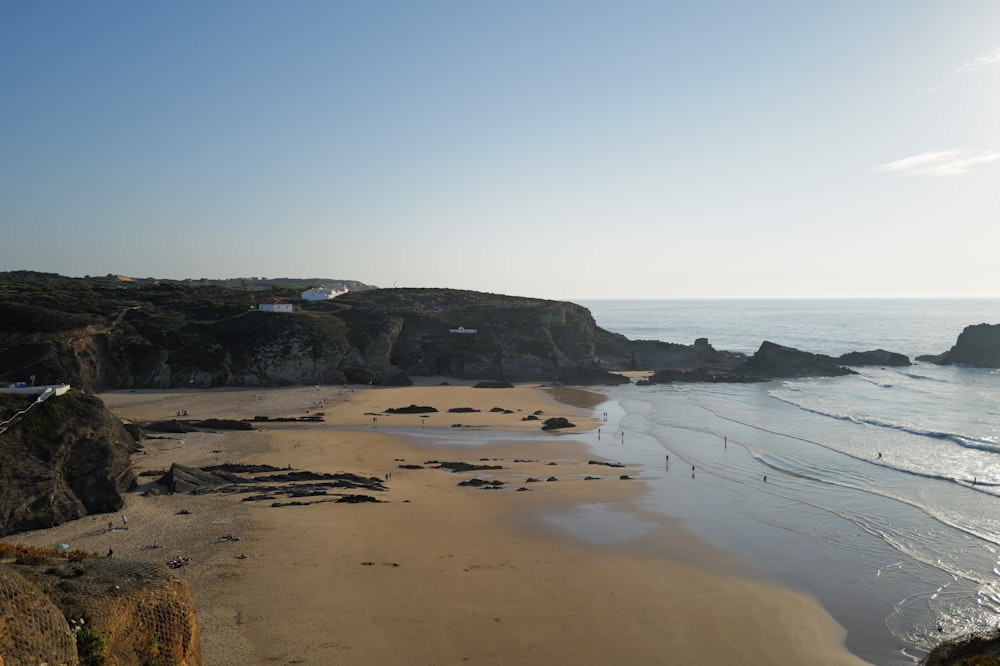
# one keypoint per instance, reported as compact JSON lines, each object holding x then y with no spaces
{"x":437,"y":573}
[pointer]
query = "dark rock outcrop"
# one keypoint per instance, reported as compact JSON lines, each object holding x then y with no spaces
{"x":68,"y":458}
{"x":771,"y":361}
{"x":179,"y":426}
{"x":978,"y":648}
{"x":977,"y":345}
{"x":556,"y":423}
{"x":183,"y":479}
{"x":874,"y":357}
{"x":411,"y":409}
{"x":461,"y":466}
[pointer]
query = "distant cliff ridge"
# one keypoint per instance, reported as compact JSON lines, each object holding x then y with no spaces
{"x":106,"y":333}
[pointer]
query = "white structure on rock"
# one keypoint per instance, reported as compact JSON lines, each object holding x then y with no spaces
{"x":275,"y":305}
{"x":323,"y":293}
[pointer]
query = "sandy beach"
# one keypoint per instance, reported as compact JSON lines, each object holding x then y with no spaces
{"x":434,"y":573}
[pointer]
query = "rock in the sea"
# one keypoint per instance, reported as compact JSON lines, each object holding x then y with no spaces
{"x":875,"y":357}
{"x":977,"y":345}
{"x":773,"y":361}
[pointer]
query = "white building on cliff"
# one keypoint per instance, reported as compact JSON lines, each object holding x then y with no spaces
{"x":323,"y":293}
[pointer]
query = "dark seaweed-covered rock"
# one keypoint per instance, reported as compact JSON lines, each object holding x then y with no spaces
{"x":605,"y":463}
{"x":480,"y":483}
{"x":412,"y":409}
{"x":460,"y":466}
{"x":357,"y":499}
{"x":557,"y":422}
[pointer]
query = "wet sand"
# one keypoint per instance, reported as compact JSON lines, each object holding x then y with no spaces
{"x":434,"y":573}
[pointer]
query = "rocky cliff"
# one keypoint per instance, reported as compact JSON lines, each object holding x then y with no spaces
{"x":977,"y":345}
{"x":67,"y":458}
{"x":105,"y":333}
{"x":101,"y":335}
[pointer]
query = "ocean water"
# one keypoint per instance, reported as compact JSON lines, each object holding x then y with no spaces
{"x":878,"y":493}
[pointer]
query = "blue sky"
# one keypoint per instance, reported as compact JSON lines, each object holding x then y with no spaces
{"x":566,"y":150}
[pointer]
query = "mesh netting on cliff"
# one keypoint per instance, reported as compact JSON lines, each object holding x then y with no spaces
{"x":80,"y":609}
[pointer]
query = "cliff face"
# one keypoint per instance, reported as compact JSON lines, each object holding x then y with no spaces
{"x":473,"y":335}
{"x":134,"y":613}
{"x":68,"y":458}
{"x":977,"y":345}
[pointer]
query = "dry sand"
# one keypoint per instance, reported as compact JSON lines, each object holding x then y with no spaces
{"x":436,"y":573}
